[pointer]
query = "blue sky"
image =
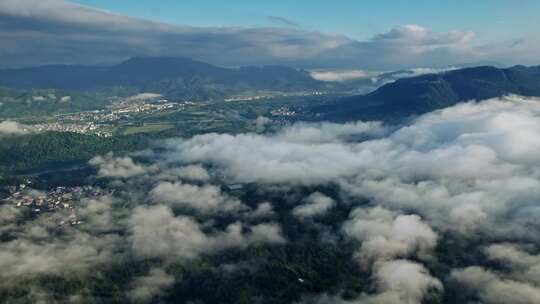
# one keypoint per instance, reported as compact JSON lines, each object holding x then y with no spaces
{"x":490,"y":19}
{"x":374,"y":35}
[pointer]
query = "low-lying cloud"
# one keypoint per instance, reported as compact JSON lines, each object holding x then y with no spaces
{"x":158,"y":233}
{"x":315,"y":204}
{"x":343,"y":75}
{"x":205,"y":199}
{"x":446,"y":203}
{"x":119,"y":167}
{"x":8,"y":128}
{"x":470,"y":170}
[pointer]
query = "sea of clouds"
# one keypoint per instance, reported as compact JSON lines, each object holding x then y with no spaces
{"x":471,"y":170}
{"x":469,"y":173}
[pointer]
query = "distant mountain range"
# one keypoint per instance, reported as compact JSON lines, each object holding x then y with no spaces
{"x":166,"y":75}
{"x":417,"y":95}
{"x":190,"y":79}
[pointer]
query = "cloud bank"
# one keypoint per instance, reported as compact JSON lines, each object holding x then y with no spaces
{"x":443,"y":209}
{"x":64,"y":32}
{"x":471,"y":171}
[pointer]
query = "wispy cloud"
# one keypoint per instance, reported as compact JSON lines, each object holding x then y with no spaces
{"x":283,"y":21}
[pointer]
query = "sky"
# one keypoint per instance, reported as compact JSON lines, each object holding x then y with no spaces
{"x":367,"y":35}
{"x":356,"y":19}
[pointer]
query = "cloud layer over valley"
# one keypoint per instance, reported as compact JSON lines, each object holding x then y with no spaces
{"x":419,"y":212}
{"x":470,"y":171}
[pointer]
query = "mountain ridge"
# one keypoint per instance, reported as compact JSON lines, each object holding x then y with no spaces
{"x":425,"y":93}
{"x":144,"y":72}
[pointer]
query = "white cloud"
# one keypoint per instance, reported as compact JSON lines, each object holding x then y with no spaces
{"x":386,"y":236}
{"x":263,"y":210}
{"x":193,"y":172}
{"x":26,"y":258}
{"x":468,"y":170}
{"x":12,"y":128}
{"x":330,"y":132}
{"x":403,"y":281}
{"x":464,"y":168}
{"x":261,"y":123}
{"x":525,"y":267}
{"x":118,"y":167}
{"x":339,"y":75}
{"x":97,"y":214}
{"x":151,"y":285}
{"x":302,"y":153}
{"x":471,"y":171}
{"x":316,"y":204}
{"x":397,"y":282}
{"x":156,"y":232}
{"x":65,"y":32}
{"x":142,"y":97}
{"x":494,"y":290}
{"x":205,"y":199}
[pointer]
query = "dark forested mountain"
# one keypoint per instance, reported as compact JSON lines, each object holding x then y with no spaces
{"x":422,"y":94}
{"x":157,"y":73}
